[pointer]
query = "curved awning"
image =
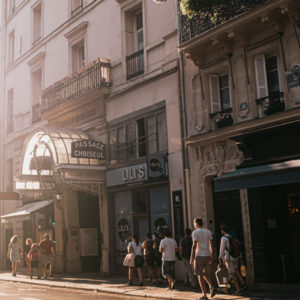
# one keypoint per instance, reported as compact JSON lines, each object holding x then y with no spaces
{"x":48,"y":147}
{"x":47,"y":161}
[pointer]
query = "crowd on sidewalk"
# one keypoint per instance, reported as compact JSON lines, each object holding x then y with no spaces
{"x":196,"y":252}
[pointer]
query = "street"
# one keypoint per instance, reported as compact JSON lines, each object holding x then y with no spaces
{"x":19,"y":291}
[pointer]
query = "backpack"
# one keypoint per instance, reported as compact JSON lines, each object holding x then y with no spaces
{"x":234,"y":247}
{"x":34,"y":255}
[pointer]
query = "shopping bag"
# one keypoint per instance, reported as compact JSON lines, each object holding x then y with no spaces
{"x":222,"y":276}
{"x":129,"y":260}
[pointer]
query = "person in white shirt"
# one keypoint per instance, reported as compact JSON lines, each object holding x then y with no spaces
{"x":202,"y":256}
{"x":168,"y":248}
{"x":135,"y":246}
{"x":231,"y":263}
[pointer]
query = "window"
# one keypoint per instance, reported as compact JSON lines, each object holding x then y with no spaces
{"x":268,"y":85}
{"x":78,"y":56}
{"x":37,"y":22}
{"x":139,"y":137}
{"x":76,"y":7}
{"x":134,"y":43}
{"x":11,"y":47}
{"x":219,"y":93}
{"x":10,"y":111}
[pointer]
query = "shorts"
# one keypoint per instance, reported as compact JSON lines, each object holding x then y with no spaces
{"x":139,"y":261}
{"x":168,"y":269}
{"x":47,"y":258}
{"x":202,"y":265}
{"x":232,"y":264}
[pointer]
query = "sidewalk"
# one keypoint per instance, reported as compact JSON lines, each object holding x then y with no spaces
{"x":118,"y":285}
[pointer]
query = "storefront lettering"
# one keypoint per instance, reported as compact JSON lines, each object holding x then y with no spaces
{"x":133,"y":174}
{"x":88,"y":154}
{"x":88,"y":149}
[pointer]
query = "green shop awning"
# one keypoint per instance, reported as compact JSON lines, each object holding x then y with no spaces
{"x":258,"y":176}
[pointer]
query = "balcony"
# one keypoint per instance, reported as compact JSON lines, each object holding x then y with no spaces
{"x":274,"y":103}
{"x":223,"y":11}
{"x":91,"y":77}
{"x":135,"y":64}
{"x":36,"y":113}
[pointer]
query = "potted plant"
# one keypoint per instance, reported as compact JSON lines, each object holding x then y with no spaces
{"x":224,"y":119}
{"x":204,"y":8}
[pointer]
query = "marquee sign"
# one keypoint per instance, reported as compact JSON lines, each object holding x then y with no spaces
{"x":88,"y":149}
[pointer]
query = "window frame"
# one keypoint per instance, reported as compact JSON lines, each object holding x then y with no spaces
{"x":35,"y":38}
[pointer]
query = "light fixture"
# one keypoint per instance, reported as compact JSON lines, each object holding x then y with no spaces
{"x":58,"y":196}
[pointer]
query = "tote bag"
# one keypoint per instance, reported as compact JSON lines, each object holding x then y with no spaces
{"x":129,"y":260}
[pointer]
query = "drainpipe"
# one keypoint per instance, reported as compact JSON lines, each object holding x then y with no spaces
{"x":184,"y":128}
{"x":2,"y":104}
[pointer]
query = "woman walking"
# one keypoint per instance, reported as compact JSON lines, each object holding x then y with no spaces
{"x":27,"y":248}
{"x":13,"y":254}
{"x":135,"y":247}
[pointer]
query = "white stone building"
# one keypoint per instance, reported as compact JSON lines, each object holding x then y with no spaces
{"x":94,"y":75}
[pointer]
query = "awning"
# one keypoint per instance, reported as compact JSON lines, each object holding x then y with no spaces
{"x":23,"y":213}
{"x":258,"y":176}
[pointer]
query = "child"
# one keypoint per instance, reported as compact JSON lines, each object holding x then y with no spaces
{"x":34,"y":258}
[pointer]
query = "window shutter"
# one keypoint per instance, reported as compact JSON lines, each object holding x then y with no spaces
{"x":261,"y":76}
{"x":214,"y":93}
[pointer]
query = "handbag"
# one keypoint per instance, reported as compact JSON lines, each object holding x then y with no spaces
{"x":129,"y":260}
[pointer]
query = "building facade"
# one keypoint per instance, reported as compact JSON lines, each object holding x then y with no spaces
{"x":91,"y":126}
{"x":241,"y":82}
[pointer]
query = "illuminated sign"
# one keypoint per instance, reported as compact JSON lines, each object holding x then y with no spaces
{"x":88,"y":149}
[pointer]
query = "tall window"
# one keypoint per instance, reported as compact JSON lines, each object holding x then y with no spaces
{"x":11,"y":47}
{"x":139,"y":137}
{"x":139,"y":34}
{"x":219,"y":92}
{"x":78,"y":56}
{"x":37,"y":22}
{"x":10,"y":111}
{"x":36,"y":88}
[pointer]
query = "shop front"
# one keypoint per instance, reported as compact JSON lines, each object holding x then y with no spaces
{"x":63,"y":194}
{"x":140,"y":201}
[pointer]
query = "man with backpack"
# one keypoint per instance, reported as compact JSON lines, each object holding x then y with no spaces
{"x":230,"y":255}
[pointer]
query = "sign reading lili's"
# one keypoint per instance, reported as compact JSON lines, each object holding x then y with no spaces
{"x":88,"y":149}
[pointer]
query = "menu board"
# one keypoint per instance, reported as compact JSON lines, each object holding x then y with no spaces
{"x":178,"y":215}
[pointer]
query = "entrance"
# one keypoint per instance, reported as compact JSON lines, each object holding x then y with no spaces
{"x":89,"y":223}
{"x":275,"y":228}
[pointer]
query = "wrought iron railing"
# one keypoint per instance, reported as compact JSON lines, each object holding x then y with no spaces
{"x":91,"y":77}
{"x":271,"y":104}
{"x":226,"y":10}
{"x":135,"y":64}
{"x":36,"y":113}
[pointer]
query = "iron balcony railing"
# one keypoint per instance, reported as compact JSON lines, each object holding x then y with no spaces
{"x":224,"y":10}
{"x":36,"y":113}
{"x":91,"y":77}
{"x":135,"y":64}
{"x":274,"y":103}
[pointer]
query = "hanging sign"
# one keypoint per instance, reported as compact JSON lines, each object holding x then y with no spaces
{"x":88,"y":149}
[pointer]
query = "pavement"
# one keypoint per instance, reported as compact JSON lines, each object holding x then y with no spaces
{"x":118,"y":285}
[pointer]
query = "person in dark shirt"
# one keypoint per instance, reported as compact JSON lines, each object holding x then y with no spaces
{"x":185,"y":248}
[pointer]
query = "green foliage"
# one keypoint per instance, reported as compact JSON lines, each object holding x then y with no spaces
{"x":202,"y":8}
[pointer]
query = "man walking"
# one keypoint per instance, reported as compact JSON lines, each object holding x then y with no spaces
{"x":168,"y":248}
{"x":202,"y":256}
{"x":47,"y":253}
{"x":185,"y":248}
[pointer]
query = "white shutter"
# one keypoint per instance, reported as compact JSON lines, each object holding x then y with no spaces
{"x":261,"y":76}
{"x":214,"y":93}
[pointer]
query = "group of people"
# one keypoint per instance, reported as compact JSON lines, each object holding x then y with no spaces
{"x":38,"y":256}
{"x":196,"y":252}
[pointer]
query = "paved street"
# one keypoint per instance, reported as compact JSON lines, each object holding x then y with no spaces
{"x":91,"y":286}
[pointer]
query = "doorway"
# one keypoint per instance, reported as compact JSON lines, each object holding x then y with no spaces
{"x":89,"y":223}
{"x":275,"y":229}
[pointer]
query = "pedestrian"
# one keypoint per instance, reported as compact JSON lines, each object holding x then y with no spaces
{"x":202,"y":256}
{"x":47,"y":254}
{"x":27,"y":248}
{"x":185,"y":249}
{"x":158,"y":257}
{"x":149,"y":253}
{"x":34,"y":258}
{"x":168,"y":248}
{"x":231,"y":258}
{"x":135,"y":247}
{"x":13,"y":253}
